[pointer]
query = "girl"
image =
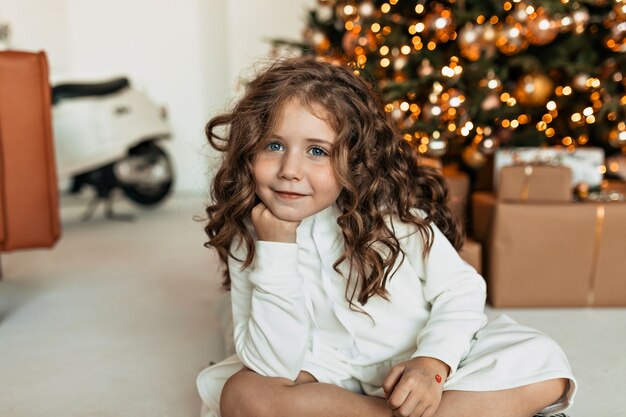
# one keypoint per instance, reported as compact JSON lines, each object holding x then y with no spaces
{"x":348,"y":296}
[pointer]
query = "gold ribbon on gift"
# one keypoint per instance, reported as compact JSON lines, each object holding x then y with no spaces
{"x":525,"y":191}
{"x":597,"y":238}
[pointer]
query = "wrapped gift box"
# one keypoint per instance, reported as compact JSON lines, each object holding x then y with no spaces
{"x":585,"y":162}
{"x":471,"y":252}
{"x":552,"y":255}
{"x":459,"y":185}
{"x":545,"y":183}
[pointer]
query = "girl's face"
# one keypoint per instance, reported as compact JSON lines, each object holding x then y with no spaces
{"x":293,"y":171}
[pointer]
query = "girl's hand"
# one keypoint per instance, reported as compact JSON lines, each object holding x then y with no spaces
{"x":412,"y":387}
{"x":270,"y":228}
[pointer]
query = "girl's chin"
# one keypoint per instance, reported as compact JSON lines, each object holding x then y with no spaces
{"x":288,"y":217}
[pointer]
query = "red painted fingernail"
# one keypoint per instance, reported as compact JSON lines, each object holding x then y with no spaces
{"x":438,"y":378}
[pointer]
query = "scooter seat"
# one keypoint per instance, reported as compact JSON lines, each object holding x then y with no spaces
{"x":73,"y":90}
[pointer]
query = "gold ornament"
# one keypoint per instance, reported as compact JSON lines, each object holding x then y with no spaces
{"x":620,"y":10}
{"x":437,"y":147}
{"x":541,"y":30}
{"x":317,"y":39}
{"x":469,"y":41}
{"x":440,"y":23}
{"x":472,"y":157}
{"x":509,"y":39}
{"x":534,"y":89}
{"x":351,"y":40}
{"x":488,"y":40}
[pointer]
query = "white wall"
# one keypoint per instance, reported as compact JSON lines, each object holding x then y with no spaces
{"x":187,"y":55}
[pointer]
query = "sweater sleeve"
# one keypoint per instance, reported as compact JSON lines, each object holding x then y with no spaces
{"x":270,"y":320}
{"x":456,"y":294}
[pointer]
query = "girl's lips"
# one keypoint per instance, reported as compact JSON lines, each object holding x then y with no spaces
{"x":288,"y":195}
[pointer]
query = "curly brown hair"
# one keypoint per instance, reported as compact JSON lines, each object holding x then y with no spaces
{"x":378,"y":170}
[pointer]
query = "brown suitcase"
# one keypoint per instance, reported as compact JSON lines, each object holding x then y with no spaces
{"x":29,"y":204}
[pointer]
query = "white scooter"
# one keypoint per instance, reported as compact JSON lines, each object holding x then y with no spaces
{"x":106,"y":136}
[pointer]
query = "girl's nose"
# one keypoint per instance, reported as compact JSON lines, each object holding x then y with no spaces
{"x":291,"y":167}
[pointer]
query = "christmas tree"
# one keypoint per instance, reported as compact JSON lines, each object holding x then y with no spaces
{"x":464,"y":77}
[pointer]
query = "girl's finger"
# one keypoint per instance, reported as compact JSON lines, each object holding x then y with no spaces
{"x":421,"y":409}
{"x":392,"y":379}
{"x":428,"y":411}
{"x":410,"y":405}
{"x":398,"y":396}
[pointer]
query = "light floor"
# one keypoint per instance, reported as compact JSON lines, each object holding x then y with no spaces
{"x":118,"y":319}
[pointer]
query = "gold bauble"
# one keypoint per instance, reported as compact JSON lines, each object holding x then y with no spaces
{"x":509,"y":39}
{"x":351,"y":40}
{"x":620,"y":10}
{"x":317,"y":39}
{"x":541,"y":30}
{"x":440,"y":24}
{"x":469,"y":41}
{"x":488,"y":40}
{"x":473,"y":158}
{"x":534,"y":89}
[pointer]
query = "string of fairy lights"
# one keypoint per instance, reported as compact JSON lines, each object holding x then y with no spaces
{"x":462,"y":76}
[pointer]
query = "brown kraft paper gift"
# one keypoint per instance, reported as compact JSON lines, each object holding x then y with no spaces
{"x":535,"y":183}
{"x":458,"y":186}
{"x":558,"y":255}
{"x":471,"y":252}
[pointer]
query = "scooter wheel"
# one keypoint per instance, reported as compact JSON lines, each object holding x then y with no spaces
{"x":148,"y":176}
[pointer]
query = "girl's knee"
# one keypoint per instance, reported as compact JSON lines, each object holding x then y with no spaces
{"x":248,"y":394}
{"x":546,"y":393}
{"x":557,"y":388}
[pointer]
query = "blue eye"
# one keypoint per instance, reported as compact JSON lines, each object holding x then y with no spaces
{"x":317,"y":151}
{"x":274,"y":147}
